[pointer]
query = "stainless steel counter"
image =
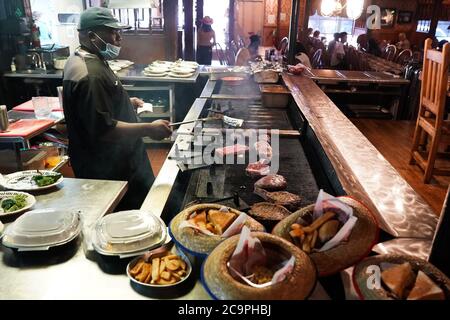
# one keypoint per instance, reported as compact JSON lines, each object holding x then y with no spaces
{"x":133,"y":73}
{"x":67,"y":273}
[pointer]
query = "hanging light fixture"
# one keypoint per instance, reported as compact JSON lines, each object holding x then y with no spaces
{"x":328,"y":7}
{"x":354,"y":8}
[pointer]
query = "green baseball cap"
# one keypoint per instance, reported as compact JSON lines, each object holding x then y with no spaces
{"x":99,"y":16}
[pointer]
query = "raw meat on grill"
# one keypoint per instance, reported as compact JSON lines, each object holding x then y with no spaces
{"x":272,"y":182}
{"x":290,"y":201}
{"x":235,"y":149}
{"x":264,"y":150}
{"x":257,"y":169}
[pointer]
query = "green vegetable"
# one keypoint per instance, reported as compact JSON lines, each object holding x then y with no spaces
{"x":15,"y":203}
{"x":43,"y":181}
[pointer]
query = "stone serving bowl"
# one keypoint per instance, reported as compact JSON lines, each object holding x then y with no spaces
{"x":196,"y":243}
{"x":363,"y":237}
{"x":361,"y":274}
{"x":221,"y":285}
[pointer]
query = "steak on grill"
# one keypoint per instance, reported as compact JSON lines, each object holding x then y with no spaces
{"x":257,"y":169}
{"x":266,"y":211}
{"x":272,"y":182}
{"x":290,"y":201}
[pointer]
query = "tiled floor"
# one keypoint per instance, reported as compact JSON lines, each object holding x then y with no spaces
{"x":157,"y":155}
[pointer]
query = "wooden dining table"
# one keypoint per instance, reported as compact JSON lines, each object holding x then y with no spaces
{"x":379,"y":64}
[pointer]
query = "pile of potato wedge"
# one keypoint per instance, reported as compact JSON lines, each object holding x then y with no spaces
{"x":168,"y":269}
{"x":309,"y":238}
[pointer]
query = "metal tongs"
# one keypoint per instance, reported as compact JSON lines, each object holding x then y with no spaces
{"x":189,"y":121}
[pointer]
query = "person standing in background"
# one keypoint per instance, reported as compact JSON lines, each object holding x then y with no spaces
{"x":206,"y":39}
{"x":338,"y":53}
{"x":403,"y":42}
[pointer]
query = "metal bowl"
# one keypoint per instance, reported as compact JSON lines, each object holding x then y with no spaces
{"x":162,"y":291}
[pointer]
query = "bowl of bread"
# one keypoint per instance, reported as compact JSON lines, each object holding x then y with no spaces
{"x":284,"y":273}
{"x":315,"y":236}
{"x":399,"y":277}
{"x":198,"y":229}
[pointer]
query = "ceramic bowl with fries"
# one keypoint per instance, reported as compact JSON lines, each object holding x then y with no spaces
{"x":160,"y":273}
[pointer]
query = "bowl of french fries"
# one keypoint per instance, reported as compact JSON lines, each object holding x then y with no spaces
{"x":312,"y":236}
{"x":158,"y":271}
{"x":198,"y":229}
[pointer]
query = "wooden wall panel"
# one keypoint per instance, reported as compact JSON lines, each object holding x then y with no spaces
{"x":249,"y":17}
{"x":143,"y":49}
{"x":391,"y":34}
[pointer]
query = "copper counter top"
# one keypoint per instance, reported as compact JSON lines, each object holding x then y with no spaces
{"x":363,"y":172}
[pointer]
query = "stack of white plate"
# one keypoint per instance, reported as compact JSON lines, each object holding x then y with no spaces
{"x":178,"y":69}
{"x":39,"y":230}
{"x":156,"y":71}
{"x":188,"y":64}
{"x":128,"y":233}
{"x":181,"y":72}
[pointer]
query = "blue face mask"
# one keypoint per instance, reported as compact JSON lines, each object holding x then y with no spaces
{"x":111,"y":51}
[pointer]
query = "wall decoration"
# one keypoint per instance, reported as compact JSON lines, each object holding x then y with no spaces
{"x":388,"y":17}
{"x":404,"y":17}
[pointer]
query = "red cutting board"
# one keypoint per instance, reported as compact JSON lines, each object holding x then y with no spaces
{"x":28,"y":106}
{"x":27,"y":127}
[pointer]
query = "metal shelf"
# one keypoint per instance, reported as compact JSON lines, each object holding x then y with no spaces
{"x":148,"y":140}
{"x":152,"y":115}
{"x":169,"y":114}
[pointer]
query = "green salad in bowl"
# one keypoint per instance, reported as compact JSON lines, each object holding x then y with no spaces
{"x":14,"y":203}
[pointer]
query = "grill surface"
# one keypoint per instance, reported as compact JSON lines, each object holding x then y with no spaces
{"x":227,"y":179}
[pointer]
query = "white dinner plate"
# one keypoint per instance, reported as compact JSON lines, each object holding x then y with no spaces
{"x":177,"y":75}
{"x":22,"y":180}
{"x":30,"y":201}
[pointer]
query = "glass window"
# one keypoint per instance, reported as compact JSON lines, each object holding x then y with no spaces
{"x":328,"y":26}
{"x":442,"y":30}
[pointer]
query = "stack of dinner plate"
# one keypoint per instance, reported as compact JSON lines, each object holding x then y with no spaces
{"x":181,"y":72}
{"x":156,"y":71}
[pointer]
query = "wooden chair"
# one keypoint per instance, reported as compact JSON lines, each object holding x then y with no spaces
{"x":221,"y":55}
{"x":229,"y":55}
{"x":241,"y":42}
{"x":317,"y":62}
{"x":430,"y":120}
{"x":283,"y":45}
{"x":242,"y":57}
{"x":404,"y":57}
{"x":233,"y":47}
{"x":390,"y":52}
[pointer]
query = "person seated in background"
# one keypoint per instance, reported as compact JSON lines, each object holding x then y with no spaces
{"x":373,"y":47}
{"x":316,"y":36}
{"x":253,"y":47}
{"x":403,"y":42}
{"x":441,"y":44}
{"x":301,"y":55}
{"x":362,"y":42}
